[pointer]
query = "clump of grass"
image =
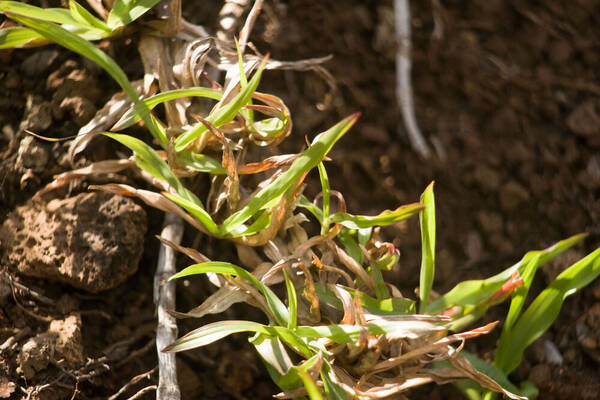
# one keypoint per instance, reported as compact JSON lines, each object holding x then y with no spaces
{"x":341,"y":331}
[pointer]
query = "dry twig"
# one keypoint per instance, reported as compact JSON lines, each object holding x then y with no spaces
{"x":133,"y":381}
{"x":404,"y":93}
{"x":164,"y":298}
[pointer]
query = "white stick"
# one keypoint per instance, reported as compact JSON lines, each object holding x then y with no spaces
{"x":164,"y":298}
{"x":404,"y":94}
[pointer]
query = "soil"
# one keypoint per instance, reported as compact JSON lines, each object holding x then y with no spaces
{"x":507,"y":94}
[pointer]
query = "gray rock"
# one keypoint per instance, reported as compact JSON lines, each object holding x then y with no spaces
{"x":92,"y":241}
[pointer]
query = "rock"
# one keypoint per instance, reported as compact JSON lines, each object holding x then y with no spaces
{"x":32,"y":154}
{"x":5,"y":291}
{"x":585,"y":119}
{"x":490,"y":222}
{"x":513,"y":195}
{"x":92,"y":241}
{"x":487,"y":178}
{"x":541,"y":375}
{"x":7,"y":387}
{"x":68,"y":344}
{"x":35,"y":354}
{"x":37,"y":116}
{"x":39,"y":62}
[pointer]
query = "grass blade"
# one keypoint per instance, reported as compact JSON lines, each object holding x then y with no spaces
{"x":126,"y":11}
{"x":542,"y":312}
{"x":197,"y":211}
{"x":210,"y":333}
{"x":427,"y":220}
{"x":307,"y":161}
{"x":20,"y":37}
{"x":292,"y":300}
{"x":148,"y":160}
{"x":474,"y":292}
{"x":137,"y":111}
{"x":387,"y":217}
{"x":520,"y":294}
{"x":56,"y":15}
{"x":325,"y":190}
{"x":223,"y":114}
{"x":85,"y":17}
{"x":275,"y":305}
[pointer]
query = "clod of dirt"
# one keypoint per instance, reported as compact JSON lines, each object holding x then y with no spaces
{"x":68,"y":344}
{"x":36,"y":354}
{"x":541,"y":375}
{"x":37,"y":116}
{"x":76,"y":91}
{"x":7,"y":388}
{"x":4,"y":291}
{"x":32,"y":154}
{"x":513,"y":195}
{"x":92,"y":241}
{"x":585,"y":119}
{"x":39,"y":62}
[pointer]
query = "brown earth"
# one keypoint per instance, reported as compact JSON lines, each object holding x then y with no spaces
{"x":508,"y":94}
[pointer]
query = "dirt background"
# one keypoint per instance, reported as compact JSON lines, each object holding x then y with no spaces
{"x":507,"y":93}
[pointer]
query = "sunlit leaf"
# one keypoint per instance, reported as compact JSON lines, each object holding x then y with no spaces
{"x":385,"y":218}
{"x":19,"y":37}
{"x":85,"y":17}
{"x":292,"y":300}
{"x":275,"y":305}
{"x":474,"y":292}
{"x":223,"y":114}
{"x":307,"y":161}
{"x":134,"y":114}
{"x":126,"y":11}
{"x":427,"y":220}
{"x":542,"y":312}
{"x":197,"y":211}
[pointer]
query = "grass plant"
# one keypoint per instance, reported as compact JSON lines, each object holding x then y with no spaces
{"x":341,"y":330}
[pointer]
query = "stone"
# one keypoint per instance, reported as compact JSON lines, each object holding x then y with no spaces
{"x":35,"y":355}
{"x":512,"y":195}
{"x":92,"y":241}
{"x":32,"y":154}
{"x":68,"y":342}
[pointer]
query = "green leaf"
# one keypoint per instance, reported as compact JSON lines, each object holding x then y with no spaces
{"x":275,"y":305}
{"x":85,"y":17}
{"x":18,"y":36}
{"x":391,"y":306}
{"x":197,"y":211}
{"x":310,"y":385}
{"x":542,"y":312}
{"x":333,"y":391}
{"x":381,"y":290}
{"x":292,"y":300}
{"x":200,"y":162}
{"x":274,"y":354}
{"x":387,"y":217}
{"x":520,"y":294}
{"x":223,"y":114}
{"x":325,"y":190}
{"x":427,"y":220}
{"x":210,"y":333}
{"x":56,"y":15}
{"x":126,"y":11}
{"x":347,"y":240}
{"x":137,"y":111}
{"x":307,"y":161}
{"x":148,"y":160}
{"x":314,"y":210}
{"x":474,"y":292}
